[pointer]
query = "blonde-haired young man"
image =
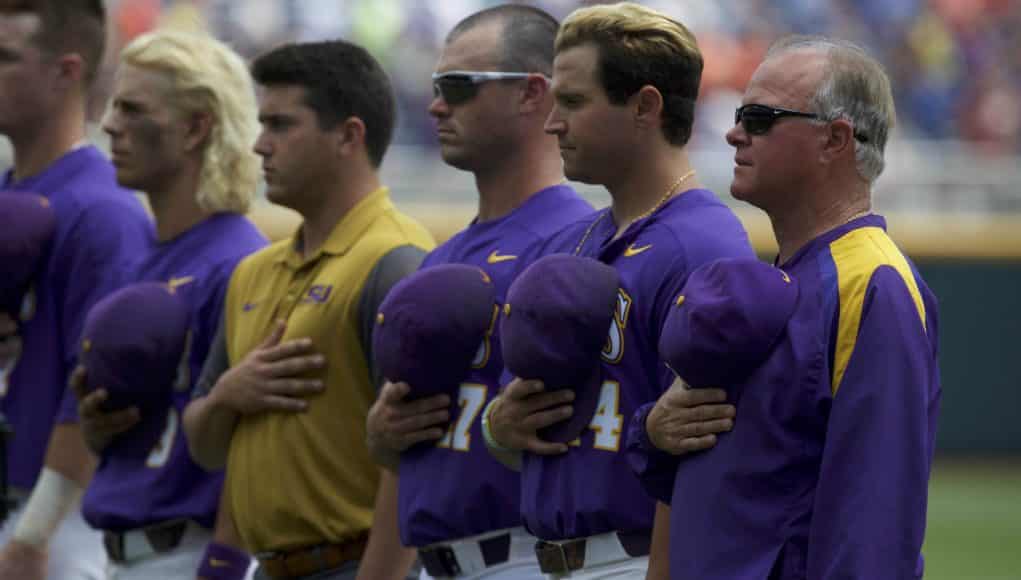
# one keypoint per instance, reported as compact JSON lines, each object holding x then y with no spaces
{"x":181,"y":124}
{"x":625,"y":80}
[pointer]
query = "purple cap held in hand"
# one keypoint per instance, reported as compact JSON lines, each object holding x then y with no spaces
{"x":726,"y":320}
{"x":133,"y":342}
{"x":431,"y":326}
{"x":556,"y":320}
{"x":27,"y":223}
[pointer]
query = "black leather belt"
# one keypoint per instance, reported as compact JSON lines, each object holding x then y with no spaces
{"x":160,"y":538}
{"x":564,"y":557}
{"x":440,"y":561}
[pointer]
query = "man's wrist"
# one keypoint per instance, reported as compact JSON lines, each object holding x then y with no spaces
{"x":218,"y":400}
{"x":53,"y":497}
{"x":487,"y":428}
{"x":382,"y":454}
{"x":645,"y":440}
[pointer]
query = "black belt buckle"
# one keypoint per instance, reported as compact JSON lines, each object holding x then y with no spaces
{"x":562,"y":558}
{"x":440,"y":561}
{"x":114,"y":544}
{"x":161,"y":537}
{"x":495,"y":550}
{"x":165,"y":536}
{"x":636,"y":544}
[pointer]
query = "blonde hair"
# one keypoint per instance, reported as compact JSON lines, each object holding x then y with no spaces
{"x":639,"y":46}
{"x":208,"y":77}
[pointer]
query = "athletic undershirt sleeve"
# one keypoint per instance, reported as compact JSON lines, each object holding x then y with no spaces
{"x":390,"y":269}
{"x":217,"y":363}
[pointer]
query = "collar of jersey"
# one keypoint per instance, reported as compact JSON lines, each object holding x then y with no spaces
{"x":348,"y":230}
{"x":825,"y":239}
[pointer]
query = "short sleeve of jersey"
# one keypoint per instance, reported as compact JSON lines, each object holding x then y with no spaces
{"x":387,"y":272}
{"x":98,"y":257}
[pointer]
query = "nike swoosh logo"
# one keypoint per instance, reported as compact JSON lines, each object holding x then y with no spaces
{"x":248,"y":306}
{"x":175,"y":283}
{"x":633,"y":251}
{"x":217,"y":563}
{"x":496,"y":258}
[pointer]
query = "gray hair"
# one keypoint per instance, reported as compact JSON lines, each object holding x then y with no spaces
{"x":854,"y":87}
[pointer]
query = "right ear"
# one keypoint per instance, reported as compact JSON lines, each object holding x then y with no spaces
{"x":533,"y":97}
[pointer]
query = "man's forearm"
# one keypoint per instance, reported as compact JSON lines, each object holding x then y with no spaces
{"x":67,"y":469}
{"x":209,"y":426}
{"x":659,"y":553}
{"x":385,"y":558}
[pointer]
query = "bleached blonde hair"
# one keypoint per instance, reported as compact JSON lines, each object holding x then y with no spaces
{"x":639,"y":46}
{"x":208,"y":77}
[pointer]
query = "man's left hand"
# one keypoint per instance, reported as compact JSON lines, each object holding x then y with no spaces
{"x":99,"y":426}
{"x":686,"y":420}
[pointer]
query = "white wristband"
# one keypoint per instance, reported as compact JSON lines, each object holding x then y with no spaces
{"x":511,"y":458}
{"x":52,"y":498}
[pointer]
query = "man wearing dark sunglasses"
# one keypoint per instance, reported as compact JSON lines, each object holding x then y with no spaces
{"x":457,"y":504}
{"x":826,"y":472}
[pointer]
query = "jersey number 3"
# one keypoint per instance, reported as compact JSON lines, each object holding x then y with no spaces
{"x":161,"y":451}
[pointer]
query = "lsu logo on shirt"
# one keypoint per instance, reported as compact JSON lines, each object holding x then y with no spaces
{"x":613,"y":351}
{"x":318,"y":294}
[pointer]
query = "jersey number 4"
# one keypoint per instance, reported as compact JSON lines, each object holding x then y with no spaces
{"x":606,"y":423}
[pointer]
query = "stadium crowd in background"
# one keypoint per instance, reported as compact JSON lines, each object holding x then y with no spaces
{"x":955,"y":65}
{"x":282,"y":397}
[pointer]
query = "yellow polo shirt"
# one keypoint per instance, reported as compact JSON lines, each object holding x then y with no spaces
{"x":299,"y":479}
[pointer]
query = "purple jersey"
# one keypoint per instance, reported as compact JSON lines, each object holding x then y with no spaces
{"x":590,"y":489}
{"x":825,"y":474}
{"x":456,"y":489}
{"x":102,"y":232}
{"x":129,"y":490}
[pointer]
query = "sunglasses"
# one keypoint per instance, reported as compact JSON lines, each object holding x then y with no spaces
{"x":460,"y":86}
{"x":759,"y":119}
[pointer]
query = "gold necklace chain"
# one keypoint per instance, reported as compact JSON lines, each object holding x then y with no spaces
{"x":860,"y":214}
{"x":666,"y":197}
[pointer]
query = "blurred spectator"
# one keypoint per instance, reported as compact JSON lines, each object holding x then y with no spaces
{"x":955,"y":64}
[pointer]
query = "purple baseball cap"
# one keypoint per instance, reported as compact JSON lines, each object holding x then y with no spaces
{"x":726,"y":320}
{"x":555,"y":324}
{"x":133,"y":343}
{"x":431,"y":327}
{"x":27,"y":223}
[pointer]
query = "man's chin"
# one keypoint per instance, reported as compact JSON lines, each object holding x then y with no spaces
{"x":577,"y":175}
{"x":456,"y":159}
{"x":276,"y":195}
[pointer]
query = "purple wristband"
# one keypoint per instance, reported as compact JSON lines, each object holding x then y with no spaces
{"x":223,"y":562}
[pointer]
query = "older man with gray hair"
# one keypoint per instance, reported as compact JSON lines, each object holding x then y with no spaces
{"x":825,"y":473}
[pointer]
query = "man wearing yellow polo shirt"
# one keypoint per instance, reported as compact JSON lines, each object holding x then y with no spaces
{"x":283,"y":398}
